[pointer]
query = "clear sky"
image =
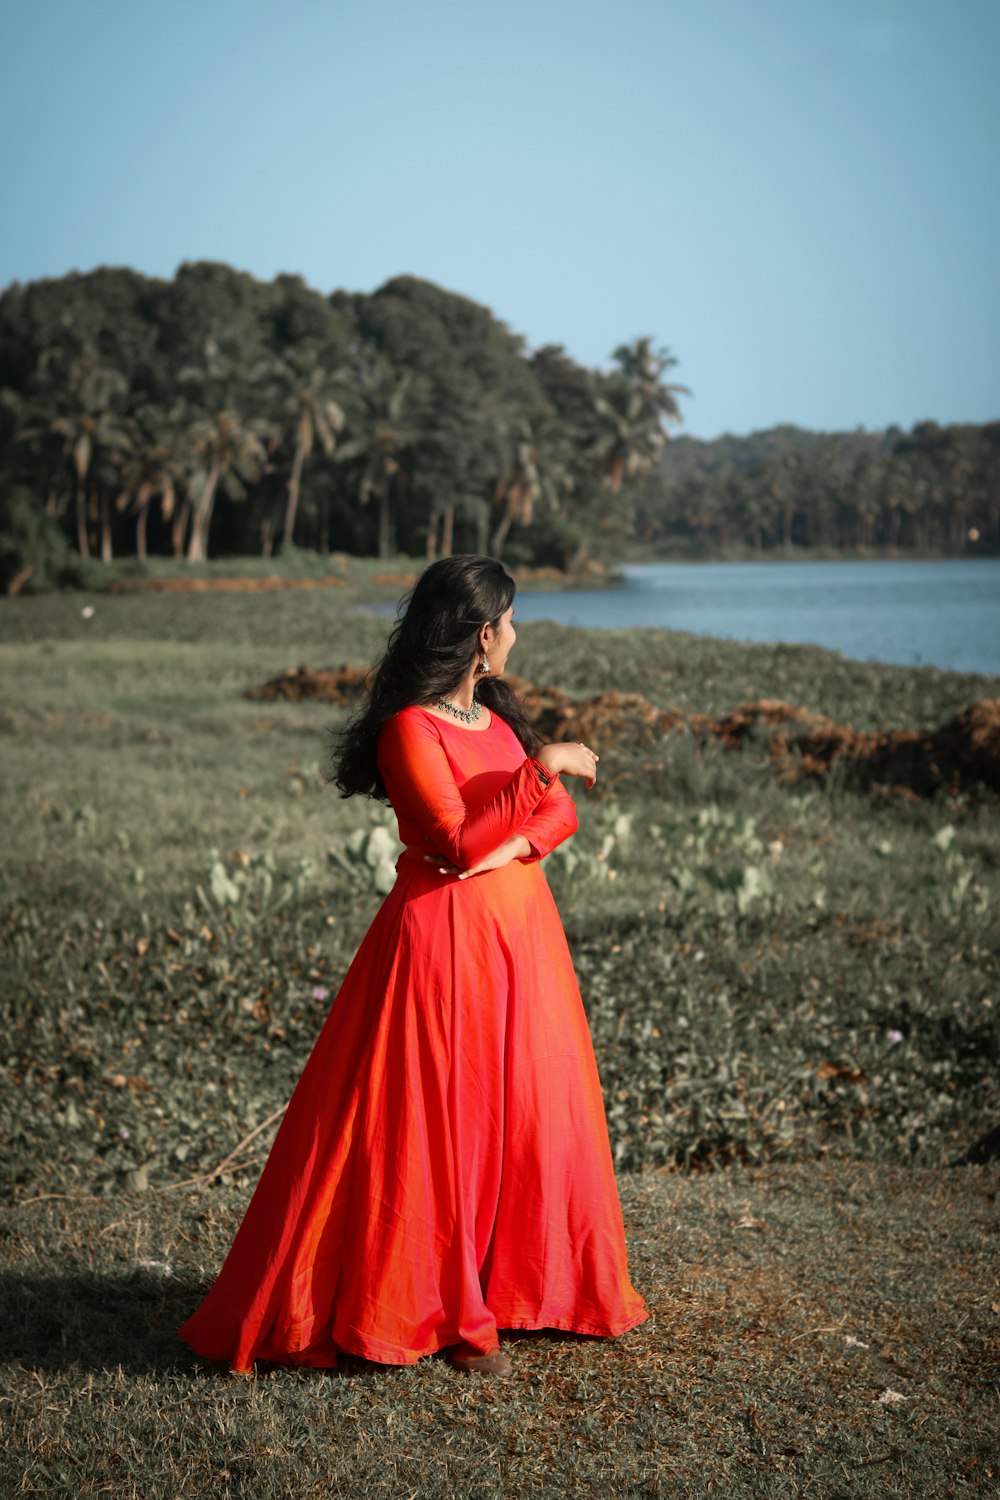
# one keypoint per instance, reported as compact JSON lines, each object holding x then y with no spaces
{"x":801,"y":198}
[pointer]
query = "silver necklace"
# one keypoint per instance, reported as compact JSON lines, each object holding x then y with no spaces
{"x":467,"y":715}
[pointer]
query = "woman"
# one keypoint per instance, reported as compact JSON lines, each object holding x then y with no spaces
{"x":443,"y":1168}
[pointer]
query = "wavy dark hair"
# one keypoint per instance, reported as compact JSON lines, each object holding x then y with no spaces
{"x":429,"y":651}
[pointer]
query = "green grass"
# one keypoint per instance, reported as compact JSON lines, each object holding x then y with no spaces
{"x":799,"y":986}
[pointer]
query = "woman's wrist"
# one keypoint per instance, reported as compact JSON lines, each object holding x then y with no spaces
{"x":544,"y":772}
{"x":546,"y":757}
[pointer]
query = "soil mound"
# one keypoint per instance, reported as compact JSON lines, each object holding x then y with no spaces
{"x":963,"y":751}
{"x":520,"y":575}
{"x":802,"y":745}
{"x":917,"y":763}
{"x":218,"y":585}
{"x":272,"y":581}
{"x":605,"y":720}
{"x":341,"y":685}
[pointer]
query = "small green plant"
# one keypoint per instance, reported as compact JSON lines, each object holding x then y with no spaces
{"x":578,"y":860}
{"x":369,"y":856}
{"x":722,"y":861}
{"x":956,"y":892}
{"x":253,"y":883}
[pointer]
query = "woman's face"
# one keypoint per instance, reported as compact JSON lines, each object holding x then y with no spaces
{"x":497,"y":643}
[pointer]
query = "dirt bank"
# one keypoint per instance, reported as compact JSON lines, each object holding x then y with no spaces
{"x":801,"y":744}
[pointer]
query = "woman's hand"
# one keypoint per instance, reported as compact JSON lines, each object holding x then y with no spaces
{"x":569,"y":758}
{"x":514,"y":848}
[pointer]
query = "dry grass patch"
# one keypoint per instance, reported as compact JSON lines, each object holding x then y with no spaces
{"x":824,"y":1330}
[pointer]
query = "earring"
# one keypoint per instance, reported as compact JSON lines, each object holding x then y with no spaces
{"x":484,"y":666}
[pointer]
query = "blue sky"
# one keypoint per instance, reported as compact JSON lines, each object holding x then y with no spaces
{"x":798,"y":197}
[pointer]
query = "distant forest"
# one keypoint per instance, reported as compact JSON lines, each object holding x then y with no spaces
{"x":935,"y":489}
{"x":217,"y":414}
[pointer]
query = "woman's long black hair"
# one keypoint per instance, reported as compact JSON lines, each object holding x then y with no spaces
{"x":430,"y":650}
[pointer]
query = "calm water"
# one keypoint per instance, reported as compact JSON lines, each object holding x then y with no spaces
{"x":941,"y":614}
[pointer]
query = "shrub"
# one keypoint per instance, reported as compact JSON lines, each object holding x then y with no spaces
{"x":34,"y":553}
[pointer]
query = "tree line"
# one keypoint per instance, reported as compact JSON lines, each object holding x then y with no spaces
{"x":935,"y":489}
{"x":215,"y":413}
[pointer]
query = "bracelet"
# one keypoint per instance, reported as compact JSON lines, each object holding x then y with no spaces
{"x":543,"y":775}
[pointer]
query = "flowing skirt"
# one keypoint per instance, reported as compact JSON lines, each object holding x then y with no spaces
{"x":443,"y":1168}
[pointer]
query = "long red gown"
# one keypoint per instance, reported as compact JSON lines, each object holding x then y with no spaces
{"x":442,"y":1169}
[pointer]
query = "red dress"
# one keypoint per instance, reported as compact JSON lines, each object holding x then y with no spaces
{"x":443,"y":1168}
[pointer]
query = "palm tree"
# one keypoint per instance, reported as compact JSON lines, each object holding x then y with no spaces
{"x":631,"y":408}
{"x":156,"y":468}
{"x":311,"y":412}
{"x":30,"y":423}
{"x":381,"y":426}
{"x":535,"y":471}
{"x":223,"y":448}
{"x":78,"y":408}
{"x":622,"y":444}
{"x":643,"y":367}
{"x":224,"y":451}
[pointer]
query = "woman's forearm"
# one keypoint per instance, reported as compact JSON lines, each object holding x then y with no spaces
{"x":516,"y":847}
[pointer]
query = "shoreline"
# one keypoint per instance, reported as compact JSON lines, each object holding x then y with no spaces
{"x":652,"y":554}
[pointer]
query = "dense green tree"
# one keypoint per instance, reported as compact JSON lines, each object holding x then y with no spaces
{"x":933,"y":488}
{"x":297,"y":315}
{"x":208,"y":304}
{"x":475,"y":385}
{"x":455,"y":434}
{"x":34,"y":553}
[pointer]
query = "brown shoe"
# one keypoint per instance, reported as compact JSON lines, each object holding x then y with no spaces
{"x":472,"y":1361}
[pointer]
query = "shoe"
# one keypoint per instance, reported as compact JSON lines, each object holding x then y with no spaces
{"x":471,"y":1361}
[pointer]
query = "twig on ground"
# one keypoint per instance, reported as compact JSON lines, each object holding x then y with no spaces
{"x":227,"y":1161}
{"x":43,"y":1197}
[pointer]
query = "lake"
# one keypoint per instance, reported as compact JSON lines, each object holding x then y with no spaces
{"x":941,"y":614}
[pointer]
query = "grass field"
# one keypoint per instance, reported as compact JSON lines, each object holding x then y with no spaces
{"x":794,"y":1001}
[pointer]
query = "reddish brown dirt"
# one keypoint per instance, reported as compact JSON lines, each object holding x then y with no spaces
{"x":339,"y":685}
{"x":803,"y":745}
{"x":914,"y":763}
{"x":964,"y":750}
{"x":263,"y":585}
{"x":520,"y":575}
{"x":217,"y":585}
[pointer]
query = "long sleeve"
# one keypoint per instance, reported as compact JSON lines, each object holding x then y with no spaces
{"x":551,"y":822}
{"x":423,"y":790}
